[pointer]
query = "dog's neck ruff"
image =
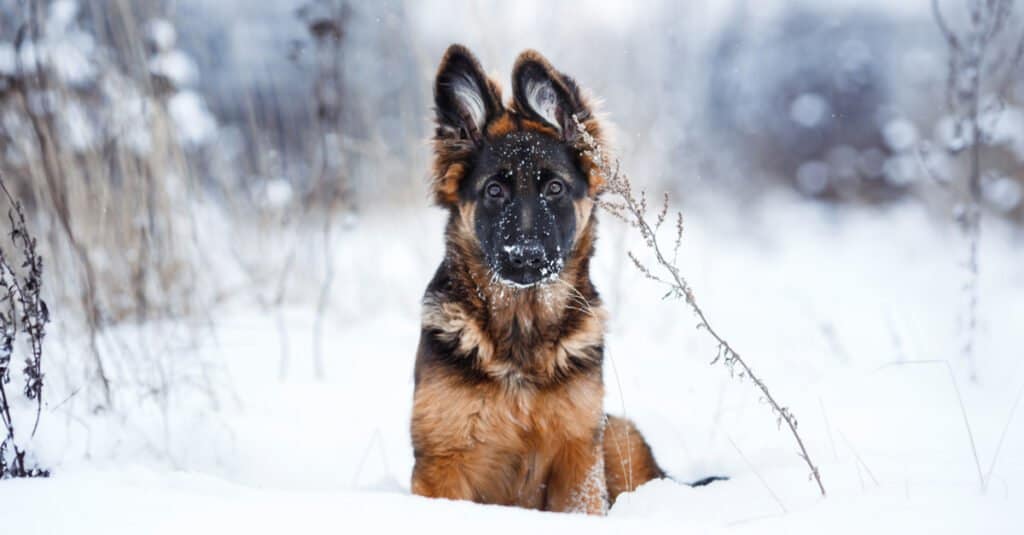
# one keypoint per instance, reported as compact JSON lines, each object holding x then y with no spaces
{"x":537,"y":336}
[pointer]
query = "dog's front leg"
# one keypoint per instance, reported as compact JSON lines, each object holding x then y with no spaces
{"x":577,"y":483}
{"x":441,"y":477}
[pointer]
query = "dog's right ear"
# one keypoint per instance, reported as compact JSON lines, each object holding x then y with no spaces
{"x":464,"y":99}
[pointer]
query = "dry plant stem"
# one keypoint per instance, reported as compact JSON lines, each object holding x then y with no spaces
{"x":963,"y":410}
{"x":24,"y":311}
{"x":1002,"y":436}
{"x":43,"y":130}
{"x":633,"y":211}
{"x":323,"y":300}
{"x":325,"y":286}
{"x":377,"y":438}
{"x":828,"y":428}
{"x":759,"y":477}
{"x":327,"y":34}
{"x":968,"y":69}
{"x":34,"y":314}
{"x":860,"y":460}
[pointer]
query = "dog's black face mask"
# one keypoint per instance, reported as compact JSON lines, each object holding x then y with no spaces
{"x":525,"y":186}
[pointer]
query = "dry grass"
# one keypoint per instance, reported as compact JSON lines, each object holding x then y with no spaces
{"x":619,"y":199}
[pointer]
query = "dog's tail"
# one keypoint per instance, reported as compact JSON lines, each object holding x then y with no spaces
{"x":628,"y":461}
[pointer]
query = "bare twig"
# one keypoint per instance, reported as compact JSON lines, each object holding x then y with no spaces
{"x":324,"y":299}
{"x":327,"y":29}
{"x":375,"y":438}
{"x":968,"y":69}
{"x":759,"y":477}
{"x":960,"y":401}
{"x":43,"y":131}
{"x":860,"y":461}
{"x":1002,"y":437}
{"x":828,"y":429}
{"x":633,"y":211}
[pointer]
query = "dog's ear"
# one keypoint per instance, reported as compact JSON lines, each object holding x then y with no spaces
{"x":543,"y":94}
{"x":464,"y":99}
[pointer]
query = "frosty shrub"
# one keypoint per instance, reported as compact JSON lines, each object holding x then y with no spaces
{"x":106,"y":139}
{"x":23,"y":317}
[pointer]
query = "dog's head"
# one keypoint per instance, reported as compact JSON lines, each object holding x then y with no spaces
{"x":516,"y":176}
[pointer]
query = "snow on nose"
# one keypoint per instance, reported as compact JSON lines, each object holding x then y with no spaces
{"x":529,"y":254}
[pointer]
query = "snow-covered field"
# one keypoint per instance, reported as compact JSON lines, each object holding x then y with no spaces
{"x":831,"y":306}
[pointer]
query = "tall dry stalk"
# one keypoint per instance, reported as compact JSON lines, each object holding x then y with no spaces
{"x":978,"y":69}
{"x":631,"y":209}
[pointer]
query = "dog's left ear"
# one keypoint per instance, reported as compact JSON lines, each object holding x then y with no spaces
{"x":543,"y":94}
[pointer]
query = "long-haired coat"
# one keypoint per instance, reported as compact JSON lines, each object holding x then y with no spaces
{"x":509,"y":394}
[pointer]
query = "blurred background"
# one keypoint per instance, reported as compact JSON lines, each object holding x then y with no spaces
{"x":181,"y":160}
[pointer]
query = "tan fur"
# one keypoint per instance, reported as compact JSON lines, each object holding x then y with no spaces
{"x":502,"y":126}
{"x":628,"y":461}
{"x":511,"y":446}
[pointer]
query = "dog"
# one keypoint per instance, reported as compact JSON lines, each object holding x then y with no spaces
{"x":508,"y":403}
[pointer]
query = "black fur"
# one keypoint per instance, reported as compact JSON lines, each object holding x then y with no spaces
{"x":526,"y":219}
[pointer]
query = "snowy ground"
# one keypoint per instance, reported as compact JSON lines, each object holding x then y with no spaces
{"x":825,"y":306}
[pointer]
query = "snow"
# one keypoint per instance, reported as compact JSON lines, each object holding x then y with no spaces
{"x":161,"y":33}
{"x":951,"y":135}
{"x":853,"y":54}
{"x":278,"y":192}
{"x":8,"y":59}
{"x":139,"y":500}
{"x":61,"y":17}
{"x":194,"y":122}
{"x":1004,"y":193}
{"x":901,"y":170}
{"x":64,"y":47}
{"x":70,"y":57}
{"x":808,"y":110}
{"x":1004,"y":125}
{"x":872,"y":162}
{"x":812,"y":177}
{"x":830,"y":306}
{"x":77,"y":126}
{"x":900,"y":134}
{"x":131,"y":118}
{"x":176,"y":66}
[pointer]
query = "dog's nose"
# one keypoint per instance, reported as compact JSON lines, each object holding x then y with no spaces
{"x":526,"y":255}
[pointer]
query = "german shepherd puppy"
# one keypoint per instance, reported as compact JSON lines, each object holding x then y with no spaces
{"x":509,"y":391}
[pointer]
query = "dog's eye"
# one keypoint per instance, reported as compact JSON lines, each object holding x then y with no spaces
{"x":495,"y":190}
{"x":554,"y":188}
